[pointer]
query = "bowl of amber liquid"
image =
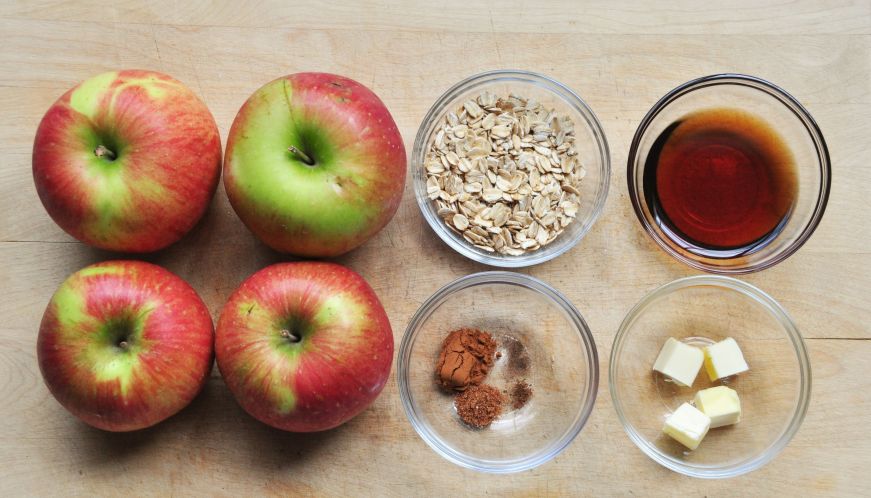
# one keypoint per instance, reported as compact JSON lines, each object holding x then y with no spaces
{"x":729,"y":174}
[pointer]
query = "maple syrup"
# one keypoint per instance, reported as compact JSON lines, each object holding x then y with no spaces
{"x":720,"y":182}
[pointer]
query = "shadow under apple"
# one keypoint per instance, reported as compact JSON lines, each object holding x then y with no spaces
{"x":99,"y":448}
{"x":273,"y":450}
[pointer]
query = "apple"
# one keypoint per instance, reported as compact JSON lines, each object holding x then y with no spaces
{"x":315,"y":165}
{"x":304,"y":346}
{"x":127,"y":161}
{"x":125,"y":344}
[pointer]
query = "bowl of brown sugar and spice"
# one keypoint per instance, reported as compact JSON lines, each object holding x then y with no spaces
{"x":463,"y":365}
{"x":498,"y":372}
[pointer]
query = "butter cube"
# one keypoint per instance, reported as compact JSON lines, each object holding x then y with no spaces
{"x":721,"y":404}
{"x":680,"y":362}
{"x":724,"y":359}
{"x":687,"y":425}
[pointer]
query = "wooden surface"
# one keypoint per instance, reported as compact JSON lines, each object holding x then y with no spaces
{"x":619,"y":56}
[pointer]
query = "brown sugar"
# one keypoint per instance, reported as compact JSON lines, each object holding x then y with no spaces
{"x":466,"y":358}
{"x":479,"y":405}
{"x":519,"y":393}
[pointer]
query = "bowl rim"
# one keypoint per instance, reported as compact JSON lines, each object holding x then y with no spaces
{"x":773,"y":307}
{"x":513,"y":279}
{"x":798,"y":110}
{"x":560,"y":90}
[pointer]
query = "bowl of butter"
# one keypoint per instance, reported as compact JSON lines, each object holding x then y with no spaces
{"x":710,"y":376}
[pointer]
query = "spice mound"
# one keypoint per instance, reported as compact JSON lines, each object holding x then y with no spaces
{"x":479,"y":405}
{"x":520,"y":393}
{"x":465,"y":359}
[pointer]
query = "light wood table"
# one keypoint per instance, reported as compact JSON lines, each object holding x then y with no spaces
{"x":619,"y":56}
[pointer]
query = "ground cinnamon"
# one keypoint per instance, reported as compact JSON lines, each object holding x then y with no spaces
{"x":479,"y":405}
{"x":465,"y":359}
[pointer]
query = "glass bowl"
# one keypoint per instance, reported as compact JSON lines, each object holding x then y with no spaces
{"x":559,"y":362}
{"x":590,"y":143}
{"x":798,"y":131}
{"x":701,"y":310}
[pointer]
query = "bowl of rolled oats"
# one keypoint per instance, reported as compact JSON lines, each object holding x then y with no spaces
{"x":510,"y":168}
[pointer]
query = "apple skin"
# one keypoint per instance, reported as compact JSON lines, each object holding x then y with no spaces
{"x":163,"y":364}
{"x":165,"y":171}
{"x":334,"y":371}
{"x":334,"y":205}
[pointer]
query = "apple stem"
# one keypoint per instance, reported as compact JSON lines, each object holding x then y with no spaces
{"x":123,"y":345}
{"x":103,"y":151}
{"x":302,"y":156}
{"x":289,"y":336}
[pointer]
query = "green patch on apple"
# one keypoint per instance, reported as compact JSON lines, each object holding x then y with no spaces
{"x":281,"y":185}
{"x":114,"y":353}
{"x":86,"y":99}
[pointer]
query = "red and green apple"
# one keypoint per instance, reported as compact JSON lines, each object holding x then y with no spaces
{"x":304,"y":346}
{"x":127,"y":161}
{"x":124,"y":345}
{"x":315,"y":164}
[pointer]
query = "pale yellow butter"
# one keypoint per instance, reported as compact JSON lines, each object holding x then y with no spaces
{"x":687,"y":425}
{"x":724,"y":359}
{"x":721,"y":404}
{"x":680,"y":362}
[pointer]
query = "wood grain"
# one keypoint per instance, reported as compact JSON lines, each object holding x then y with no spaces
{"x":551,"y":16}
{"x":619,"y":56}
